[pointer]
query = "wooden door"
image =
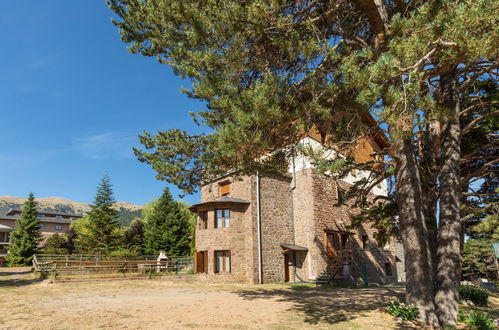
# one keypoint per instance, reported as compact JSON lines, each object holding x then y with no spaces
{"x":286,"y":267}
{"x":332,"y":244}
{"x":200,"y":262}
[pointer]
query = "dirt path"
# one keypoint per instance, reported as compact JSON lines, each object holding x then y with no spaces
{"x":26,"y":302}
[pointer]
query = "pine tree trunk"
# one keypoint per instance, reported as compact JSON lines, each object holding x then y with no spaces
{"x":431,"y":145}
{"x":449,"y":235}
{"x":414,"y":233}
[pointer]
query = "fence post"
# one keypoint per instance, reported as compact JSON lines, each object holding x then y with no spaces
{"x":176,"y":266}
{"x":54,"y":272}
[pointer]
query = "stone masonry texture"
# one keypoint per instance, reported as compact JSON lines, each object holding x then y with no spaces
{"x":295,"y":211}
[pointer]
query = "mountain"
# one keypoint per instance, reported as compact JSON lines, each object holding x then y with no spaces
{"x":127,"y":211}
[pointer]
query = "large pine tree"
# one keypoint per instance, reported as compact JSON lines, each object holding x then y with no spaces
{"x":270,"y":70}
{"x":102,"y":219}
{"x":167,"y":228}
{"x":25,"y":238}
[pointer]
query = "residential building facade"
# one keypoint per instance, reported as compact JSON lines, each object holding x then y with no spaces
{"x":289,"y":227}
{"x":51,"y":222}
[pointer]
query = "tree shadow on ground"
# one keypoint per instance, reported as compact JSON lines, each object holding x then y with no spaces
{"x":17,"y":277}
{"x":328,"y":305}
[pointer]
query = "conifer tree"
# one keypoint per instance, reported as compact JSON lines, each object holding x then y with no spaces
{"x":134,"y":236}
{"x":102,"y":219}
{"x":26,"y":236}
{"x":167,"y":228}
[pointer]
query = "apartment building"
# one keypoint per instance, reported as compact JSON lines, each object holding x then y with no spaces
{"x":51,"y":222}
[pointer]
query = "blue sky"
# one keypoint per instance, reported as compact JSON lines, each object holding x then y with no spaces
{"x":73,"y":100}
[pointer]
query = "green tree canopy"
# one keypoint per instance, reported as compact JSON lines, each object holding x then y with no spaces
{"x":167,"y":228}
{"x":97,"y":231}
{"x":26,"y":236}
{"x":271,"y":70}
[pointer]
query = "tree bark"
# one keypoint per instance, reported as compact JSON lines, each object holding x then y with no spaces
{"x":414,"y":233}
{"x":428,"y":172}
{"x":449,"y":235}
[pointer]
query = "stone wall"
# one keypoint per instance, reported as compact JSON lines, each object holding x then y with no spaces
{"x":317,"y":209}
{"x":292,"y":212}
{"x":277,"y":226}
{"x":237,"y":238}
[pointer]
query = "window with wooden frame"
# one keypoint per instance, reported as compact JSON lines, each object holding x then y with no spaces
{"x":388,"y":269}
{"x":340,"y":195}
{"x":222,"y":218}
{"x":222,"y":261}
{"x":224,"y":188}
{"x":203,"y":218}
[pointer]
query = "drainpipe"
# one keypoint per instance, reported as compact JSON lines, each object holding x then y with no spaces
{"x":259,"y":229}
{"x":291,"y":193}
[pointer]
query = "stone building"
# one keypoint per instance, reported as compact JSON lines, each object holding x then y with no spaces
{"x":290,"y":227}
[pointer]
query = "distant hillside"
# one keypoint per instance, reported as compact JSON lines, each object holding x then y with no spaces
{"x":58,"y":204}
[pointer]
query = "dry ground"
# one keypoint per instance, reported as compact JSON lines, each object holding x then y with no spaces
{"x":27,"y":302}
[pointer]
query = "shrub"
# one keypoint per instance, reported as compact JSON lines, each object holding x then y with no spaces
{"x":405,"y":312}
{"x":479,"y":320}
{"x":475,"y":294}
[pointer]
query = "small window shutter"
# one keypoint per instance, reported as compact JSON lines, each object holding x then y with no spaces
{"x":224,"y":189}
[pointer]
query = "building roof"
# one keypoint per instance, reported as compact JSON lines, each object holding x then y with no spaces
{"x":223,"y":200}
{"x":293,"y":247}
{"x":4,"y":227}
{"x":41,"y":211}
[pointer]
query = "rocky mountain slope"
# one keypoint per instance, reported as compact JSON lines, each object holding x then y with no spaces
{"x":127,"y":211}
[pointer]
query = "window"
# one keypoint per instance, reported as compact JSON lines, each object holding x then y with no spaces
{"x":388,"y":269}
{"x":222,"y":218}
{"x":58,"y":217}
{"x":224,"y":188}
{"x":41,"y":215}
{"x":222,"y":261}
{"x":344,"y":241}
{"x":58,"y":227}
{"x":365,"y":241}
{"x":340,"y":195}
{"x":203,"y":217}
{"x":42,"y":226}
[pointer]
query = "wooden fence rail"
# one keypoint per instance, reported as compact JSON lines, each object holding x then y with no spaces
{"x":81,"y":264}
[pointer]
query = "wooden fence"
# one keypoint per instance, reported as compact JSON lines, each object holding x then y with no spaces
{"x":107,"y":266}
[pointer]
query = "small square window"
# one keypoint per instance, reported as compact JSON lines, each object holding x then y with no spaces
{"x":58,"y":227}
{"x":203,"y":217}
{"x":388,"y":269}
{"x":224,"y":188}
{"x":42,"y":226}
{"x":222,"y":261}
{"x":222,"y":218}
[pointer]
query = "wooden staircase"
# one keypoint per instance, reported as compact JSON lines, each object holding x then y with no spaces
{"x":335,"y":266}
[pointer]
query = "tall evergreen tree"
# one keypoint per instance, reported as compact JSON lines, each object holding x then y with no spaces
{"x":26,"y":236}
{"x":167,"y":228}
{"x":102,"y":219}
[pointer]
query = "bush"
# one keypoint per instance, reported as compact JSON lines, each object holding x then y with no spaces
{"x":479,"y":320}
{"x":405,"y":312}
{"x":475,"y":294}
